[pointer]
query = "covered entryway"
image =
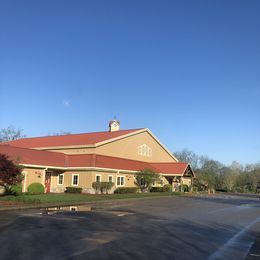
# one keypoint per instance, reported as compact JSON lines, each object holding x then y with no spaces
{"x":180,"y":174}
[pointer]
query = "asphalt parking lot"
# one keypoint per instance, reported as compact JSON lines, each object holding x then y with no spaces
{"x":202,"y":227}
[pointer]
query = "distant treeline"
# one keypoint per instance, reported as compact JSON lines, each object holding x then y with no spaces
{"x":211,"y":174}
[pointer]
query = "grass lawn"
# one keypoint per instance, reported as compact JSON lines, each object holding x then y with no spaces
{"x":65,"y":198}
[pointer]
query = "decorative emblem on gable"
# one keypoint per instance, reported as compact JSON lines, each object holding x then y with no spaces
{"x":144,"y":150}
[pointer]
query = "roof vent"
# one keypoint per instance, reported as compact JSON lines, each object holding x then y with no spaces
{"x":114,"y":125}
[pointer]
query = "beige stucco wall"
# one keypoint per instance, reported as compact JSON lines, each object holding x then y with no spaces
{"x":86,"y":178}
{"x":128,"y":148}
{"x":125,"y":148}
{"x":32,"y":175}
{"x":186,"y":181}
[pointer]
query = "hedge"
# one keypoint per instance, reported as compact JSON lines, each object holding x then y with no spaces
{"x":35,"y":188}
{"x":124,"y":190}
{"x":156,"y":189}
{"x":73,"y":190}
{"x":165,"y":188}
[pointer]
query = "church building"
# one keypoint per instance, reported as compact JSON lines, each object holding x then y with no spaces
{"x":78,"y":160}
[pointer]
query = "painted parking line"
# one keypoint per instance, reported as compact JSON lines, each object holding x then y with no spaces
{"x":238,"y":246}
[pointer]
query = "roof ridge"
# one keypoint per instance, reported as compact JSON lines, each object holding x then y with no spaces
{"x":51,"y":136}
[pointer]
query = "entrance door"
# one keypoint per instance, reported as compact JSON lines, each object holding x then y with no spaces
{"x":47,"y":181}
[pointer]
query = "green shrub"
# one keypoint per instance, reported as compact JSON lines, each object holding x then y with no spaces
{"x":184,"y":188}
{"x":124,"y":190}
{"x":104,"y":187}
{"x":35,"y":188}
{"x":167,"y":188}
{"x":73,"y":190}
{"x":96,"y":185}
{"x":15,"y":190}
{"x":156,"y":189}
{"x":195,"y":189}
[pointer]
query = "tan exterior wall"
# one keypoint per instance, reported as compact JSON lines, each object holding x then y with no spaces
{"x":186,"y":181}
{"x":86,"y":178}
{"x":128,"y":148}
{"x":32,"y":176}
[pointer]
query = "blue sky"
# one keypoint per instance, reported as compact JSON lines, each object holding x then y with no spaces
{"x":187,"y":70}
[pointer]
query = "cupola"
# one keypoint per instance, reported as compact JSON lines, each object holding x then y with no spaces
{"x":114,"y":125}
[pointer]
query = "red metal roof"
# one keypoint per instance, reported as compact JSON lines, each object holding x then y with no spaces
{"x":54,"y":159}
{"x":35,"y":157}
{"x":169,"y":168}
{"x":69,"y":140}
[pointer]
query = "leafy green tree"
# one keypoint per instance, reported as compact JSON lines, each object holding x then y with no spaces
{"x":205,"y":180}
{"x":228,"y":179}
{"x":145,"y":179}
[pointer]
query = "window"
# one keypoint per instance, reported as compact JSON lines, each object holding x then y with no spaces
{"x":120,"y":181}
{"x":75,"y":179}
{"x":60,"y":179}
{"x":98,"y":178}
{"x":110,"y":178}
{"x":144,"y":150}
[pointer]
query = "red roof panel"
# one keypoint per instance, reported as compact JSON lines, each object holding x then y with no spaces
{"x":35,"y":157}
{"x":54,"y":159}
{"x":170,"y":168}
{"x":68,"y":140}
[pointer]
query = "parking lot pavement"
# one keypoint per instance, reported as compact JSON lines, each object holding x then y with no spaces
{"x":217,"y":227}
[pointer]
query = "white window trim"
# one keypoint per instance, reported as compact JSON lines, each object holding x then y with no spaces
{"x":73,"y":178}
{"x":62,"y":179}
{"x":99,"y":176}
{"x":112,"y":178}
{"x":120,"y":181}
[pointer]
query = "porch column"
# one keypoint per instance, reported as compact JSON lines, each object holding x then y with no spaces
{"x":43,"y":179}
{"x":24,"y":181}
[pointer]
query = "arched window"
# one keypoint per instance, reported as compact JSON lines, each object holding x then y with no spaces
{"x":144,"y":150}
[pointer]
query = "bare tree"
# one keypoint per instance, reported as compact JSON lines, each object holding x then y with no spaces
{"x":60,"y":133}
{"x":188,"y":156}
{"x":11,"y":133}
